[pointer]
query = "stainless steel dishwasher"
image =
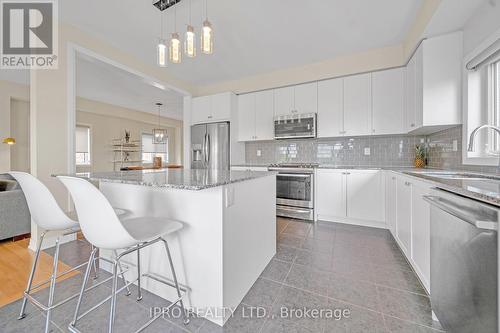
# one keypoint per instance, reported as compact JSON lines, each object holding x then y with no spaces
{"x":464,"y":263}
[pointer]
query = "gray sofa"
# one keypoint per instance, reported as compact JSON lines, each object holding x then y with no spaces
{"x":15,"y":218}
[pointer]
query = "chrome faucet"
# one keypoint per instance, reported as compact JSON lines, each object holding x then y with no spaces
{"x":473,"y":136}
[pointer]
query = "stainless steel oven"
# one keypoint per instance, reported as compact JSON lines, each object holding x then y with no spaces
{"x":294,"y":190}
{"x":295,"y":126}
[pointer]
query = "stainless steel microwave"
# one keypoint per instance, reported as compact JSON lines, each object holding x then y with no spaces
{"x":295,"y":126}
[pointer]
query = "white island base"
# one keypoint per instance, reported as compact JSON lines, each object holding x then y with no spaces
{"x":229,"y":237}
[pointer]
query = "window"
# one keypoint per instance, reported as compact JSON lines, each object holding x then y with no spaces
{"x":82,"y":145}
{"x":151,"y":150}
{"x":494,"y":140}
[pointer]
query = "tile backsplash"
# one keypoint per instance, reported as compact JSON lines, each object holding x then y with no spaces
{"x":397,"y":151}
{"x":442,"y":155}
{"x":357,"y":151}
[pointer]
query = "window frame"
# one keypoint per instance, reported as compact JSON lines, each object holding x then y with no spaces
{"x":90,"y":159}
{"x":482,"y":77}
{"x":150,"y":162}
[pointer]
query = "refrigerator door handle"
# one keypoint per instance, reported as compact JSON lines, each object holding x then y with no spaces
{"x":205,"y":148}
{"x":208,"y":148}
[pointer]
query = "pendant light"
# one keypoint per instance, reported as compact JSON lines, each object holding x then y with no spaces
{"x":175,"y":53}
{"x":189,"y":40}
{"x":207,"y":37}
{"x":159,"y":134}
{"x":162,"y":47}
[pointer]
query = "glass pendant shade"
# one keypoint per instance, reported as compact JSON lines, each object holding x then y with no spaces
{"x":159,"y":135}
{"x":162,"y":53}
{"x":207,"y":38}
{"x":189,"y":42}
{"x":175,"y":53}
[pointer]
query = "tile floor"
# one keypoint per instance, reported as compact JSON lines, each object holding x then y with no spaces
{"x":356,"y":276}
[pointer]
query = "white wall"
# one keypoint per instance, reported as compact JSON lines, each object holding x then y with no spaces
{"x":20,"y":130}
{"x":8,"y":91}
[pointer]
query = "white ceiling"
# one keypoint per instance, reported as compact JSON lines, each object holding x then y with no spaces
{"x":251,"y":37}
{"x":105,"y":83}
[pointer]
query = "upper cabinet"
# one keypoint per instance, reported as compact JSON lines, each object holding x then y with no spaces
{"x":255,"y":116}
{"x":211,"y":108}
{"x":434,"y":85}
{"x":331,"y":108}
{"x":302,"y":98}
{"x":357,"y":104}
{"x":388,"y":102}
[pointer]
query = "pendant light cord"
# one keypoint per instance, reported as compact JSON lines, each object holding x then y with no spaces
{"x":206,"y":9}
{"x":190,"y":12}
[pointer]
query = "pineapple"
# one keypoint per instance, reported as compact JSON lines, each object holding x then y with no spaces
{"x":420,"y":156}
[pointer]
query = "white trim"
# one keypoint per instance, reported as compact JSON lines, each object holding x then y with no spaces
{"x":487,"y":161}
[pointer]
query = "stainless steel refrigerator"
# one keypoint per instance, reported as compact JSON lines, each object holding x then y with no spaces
{"x":210,"y":146}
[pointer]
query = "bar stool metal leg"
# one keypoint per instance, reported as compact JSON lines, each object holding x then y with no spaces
{"x":139,"y":293}
{"x":122,"y":275}
{"x":52,"y":286}
{"x":113,"y":296}
{"x":174,"y":276}
{"x":94,"y":265}
{"x":84,"y":284}
{"x":22,"y":314}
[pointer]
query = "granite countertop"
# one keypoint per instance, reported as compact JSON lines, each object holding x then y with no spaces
{"x":485,"y":188}
{"x":185,"y":179}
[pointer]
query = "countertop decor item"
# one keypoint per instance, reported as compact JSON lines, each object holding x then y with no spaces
{"x":420,"y":160}
{"x":9,"y":141}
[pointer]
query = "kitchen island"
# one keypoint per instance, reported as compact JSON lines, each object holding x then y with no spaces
{"x":229,"y":233}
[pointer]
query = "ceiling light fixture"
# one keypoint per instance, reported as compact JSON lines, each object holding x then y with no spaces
{"x":189,"y":40}
{"x":207,"y":37}
{"x":175,"y":53}
{"x":175,"y":46}
{"x":159,"y":134}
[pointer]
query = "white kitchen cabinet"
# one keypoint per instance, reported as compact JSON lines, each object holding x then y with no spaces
{"x":306,"y":98}
{"x":283,"y":101}
{"x":388,"y":102}
{"x":391,"y":202}
{"x":264,"y":114}
{"x":299,"y":99}
{"x":211,"y":108}
{"x":255,"y":116}
{"x":357,"y":105}
{"x":200,"y":109}
{"x":246,"y":117}
{"x":365,"y":195}
{"x":330,"y":194}
{"x":434,"y":84}
{"x":221,"y":106}
{"x":403,"y":215}
{"x":331,"y":108}
{"x":420,"y":231}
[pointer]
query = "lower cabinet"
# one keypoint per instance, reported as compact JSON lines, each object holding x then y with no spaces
{"x":403,"y":215}
{"x":350,"y":195}
{"x":408,"y":219}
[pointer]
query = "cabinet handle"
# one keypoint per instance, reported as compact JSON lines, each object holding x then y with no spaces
{"x":412,"y":125}
{"x":342,"y":132}
{"x":294,"y":111}
{"x":373,"y":130}
{"x":209,"y":117}
{"x":407,"y":183}
{"x":393,"y":178}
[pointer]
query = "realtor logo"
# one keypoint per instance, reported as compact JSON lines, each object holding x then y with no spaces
{"x":29,"y":34}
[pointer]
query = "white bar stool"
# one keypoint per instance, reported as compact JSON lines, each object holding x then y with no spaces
{"x":47,"y":214}
{"x":104,"y":229}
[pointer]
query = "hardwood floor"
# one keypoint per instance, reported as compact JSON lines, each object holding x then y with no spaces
{"x":15,"y":264}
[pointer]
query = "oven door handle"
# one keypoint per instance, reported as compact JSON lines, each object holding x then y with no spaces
{"x":296,"y":175}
